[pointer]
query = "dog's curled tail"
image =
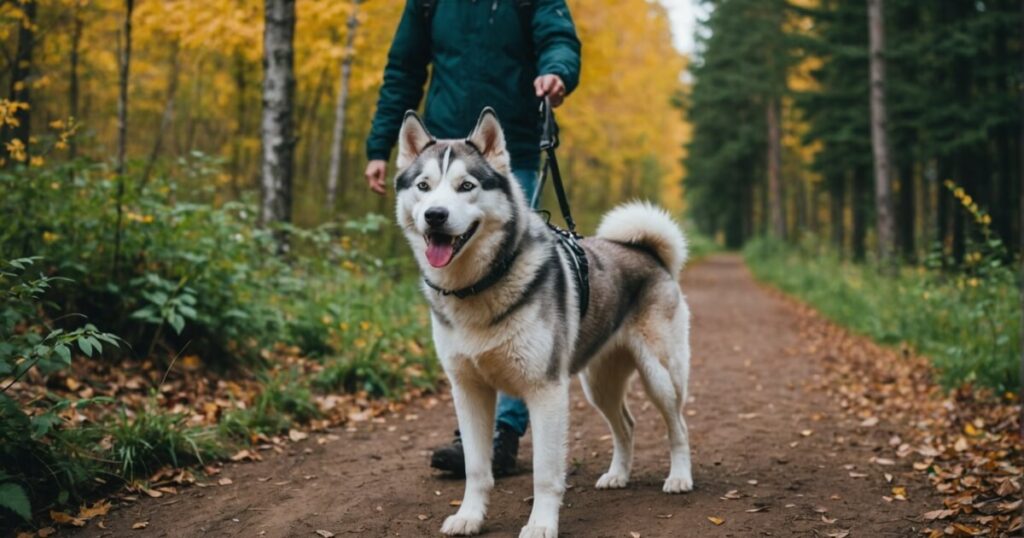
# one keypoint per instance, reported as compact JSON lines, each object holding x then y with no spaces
{"x":642,"y":223}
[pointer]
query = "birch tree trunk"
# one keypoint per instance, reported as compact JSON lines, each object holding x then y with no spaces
{"x":122,"y":123}
{"x":277,"y":125}
{"x":885,"y":223}
{"x":777,"y":216}
{"x":338,"y":135}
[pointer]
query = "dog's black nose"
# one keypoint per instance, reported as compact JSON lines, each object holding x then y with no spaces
{"x":436,"y":216}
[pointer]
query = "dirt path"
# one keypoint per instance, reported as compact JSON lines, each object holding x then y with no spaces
{"x":756,"y":425}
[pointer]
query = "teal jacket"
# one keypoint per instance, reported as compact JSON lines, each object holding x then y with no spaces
{"x":482,"y":53}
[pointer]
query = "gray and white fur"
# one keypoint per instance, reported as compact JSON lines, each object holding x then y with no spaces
{"x":467,"y":221}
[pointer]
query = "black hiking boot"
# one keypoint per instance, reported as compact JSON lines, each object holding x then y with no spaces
{"x":451,"y":459}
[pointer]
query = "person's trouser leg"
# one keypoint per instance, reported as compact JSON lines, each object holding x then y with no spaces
{"x":512,"y":411}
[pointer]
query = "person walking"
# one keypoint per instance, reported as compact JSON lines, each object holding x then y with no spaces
{"x":505,"y":54}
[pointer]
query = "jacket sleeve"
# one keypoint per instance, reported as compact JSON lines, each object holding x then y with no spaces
{"x":404,"y":78}
{"x":554,"y":39}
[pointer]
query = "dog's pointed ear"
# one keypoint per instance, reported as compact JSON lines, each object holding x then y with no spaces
{"x":489,"y":139}
{"x":412,"y":139}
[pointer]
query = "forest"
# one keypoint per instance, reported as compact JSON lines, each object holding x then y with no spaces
{"x":194,"y":274}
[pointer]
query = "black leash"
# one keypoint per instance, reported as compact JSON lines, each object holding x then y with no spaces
{"x":548,"y":144}
{"x":567,"y":237}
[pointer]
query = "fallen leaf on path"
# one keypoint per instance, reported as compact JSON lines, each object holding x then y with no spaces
{"x":828,"y":520}
{"x":139,"y":525}
{"x":455,"y":502}
{"x":716,"y":520}
{"x":837,"y":534}
{"x":732,"y":494}
{"x":296,"y":435}
{"x":756,"y":509}
{"x":325,"y":534}
{"x":858,"y":475}
{"x":153,"y":493}
{"x":884,"y":461}
{"x":888,"y":478}
{"x":869,"y":422}
{"x":45,"y":532}
{"x":752,"y":482}
{"x":899,"y":493}
{"x":634,"y":534}
{"x":99,"y":509}
{"x":423,"y":517}
{"x":938,"y":514}
{"x":820,"y":509}
{"x":664,"y":516}
{"x":66,"y":519}
{"x":806,"y":433}
{"x":243,"y":455}
{"x":225,"y":481}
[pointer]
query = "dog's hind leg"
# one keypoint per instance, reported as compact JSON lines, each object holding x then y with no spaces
{"x":663,"y":356}
{"x":474,"y":406}
{"x":604,"y":384}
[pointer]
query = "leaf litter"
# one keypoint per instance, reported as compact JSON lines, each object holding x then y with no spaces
{"x":965,"y":443}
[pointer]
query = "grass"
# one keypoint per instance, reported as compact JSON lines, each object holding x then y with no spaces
{"x":966,"y":320}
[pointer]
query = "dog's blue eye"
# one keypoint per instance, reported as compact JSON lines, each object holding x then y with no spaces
{"x":466,"y":186}
{"x":423,"y":186}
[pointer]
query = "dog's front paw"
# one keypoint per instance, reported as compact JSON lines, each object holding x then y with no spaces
{"x":461,"y":526}
{"x":678,"y":484}
{"x":536,"y":531}
{"x":611,"y":480}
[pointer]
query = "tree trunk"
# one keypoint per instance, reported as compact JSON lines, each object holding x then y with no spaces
{"x":165,"y":119}
{"x":836,"y":193}
{"x":860,"y":201}
{"x":777,"y":216}
{"x":885,"y":223}
{"x":906,"y":213}
{"x":337,"y":136}
{"x":20,"y":93}
{"x":122,"y":124}
{"x":1020,"y":91}
{"x":277,"y":129}
{"x":76,"y":43}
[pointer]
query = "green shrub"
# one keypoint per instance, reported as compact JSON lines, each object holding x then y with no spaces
{"x":148,"y":439}
{"x":967,"y":321}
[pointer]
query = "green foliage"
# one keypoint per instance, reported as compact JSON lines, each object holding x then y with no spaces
{"x":286,"y":399}
{"x":151,"y":438}
{"x":968,"y":323}
{"x":189,"y":273}
{"x":742,"y":66}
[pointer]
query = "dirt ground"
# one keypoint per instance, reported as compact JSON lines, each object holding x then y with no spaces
{"x":794,"y":463}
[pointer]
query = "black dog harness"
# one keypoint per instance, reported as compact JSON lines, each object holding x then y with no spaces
{"x":568,"y":239}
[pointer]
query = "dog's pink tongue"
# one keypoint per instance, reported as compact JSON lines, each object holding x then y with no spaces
{"x":439,"y":254}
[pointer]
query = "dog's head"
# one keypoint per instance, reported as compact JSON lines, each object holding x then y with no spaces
{"x":455,"y":198}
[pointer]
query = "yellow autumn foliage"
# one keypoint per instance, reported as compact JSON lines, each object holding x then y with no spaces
{"x":622,"y":137}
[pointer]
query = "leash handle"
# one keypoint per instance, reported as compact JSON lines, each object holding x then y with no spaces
{"x":548,"y":143}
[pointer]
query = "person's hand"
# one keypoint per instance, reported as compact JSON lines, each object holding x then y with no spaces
{"x":376,"y":176}
{"x":551,"y":86}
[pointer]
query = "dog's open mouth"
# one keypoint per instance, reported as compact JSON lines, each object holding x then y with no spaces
{"x":442,"y":248}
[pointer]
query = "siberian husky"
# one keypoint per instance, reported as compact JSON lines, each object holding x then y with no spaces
{"x":506,"y":314}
